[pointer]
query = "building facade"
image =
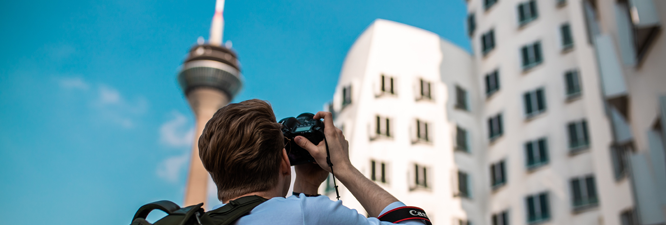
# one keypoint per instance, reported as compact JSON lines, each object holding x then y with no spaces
{"x":555,"y":118}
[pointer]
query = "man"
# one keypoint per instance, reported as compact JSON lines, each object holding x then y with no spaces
{"x":242,"y":147}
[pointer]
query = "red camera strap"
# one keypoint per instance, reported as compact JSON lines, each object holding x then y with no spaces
{"x":405,"y":213}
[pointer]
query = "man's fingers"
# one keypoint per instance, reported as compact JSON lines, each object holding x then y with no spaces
{"x":306,"y":144}
{"x":328,"y":121}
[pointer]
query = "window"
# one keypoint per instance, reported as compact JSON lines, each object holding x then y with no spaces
{"x":421,"y":131}
{"x":382,"y":126}
{"x":330,"y":185}
{"x":463,"y":222}
{"x":578,"y":137}
{"x":488,"y":3}
{"x":535,"y":102}
{"x":567,"y":39}
{"x":527,"y":12}
{"x":501,"y":218}
{"x":536,"y":153}
{"x":471,"y":24}
{"x":584,"y":192}
{"x":627,"y":218}
{"x":497,"y":174}
{"x":572,"y":83}
{"x":386,"y":85}
{"x":463,"y":185}
{"x":495,"y":126}
{"x":531,"y":55}
{"x":378,"y":171}
{"x":537,"y":208}
{"x":619,"y":157}
{"x":461,"y":98}
{"x":420,"y":176}
{"x":461,"y":139}
{"x":488,"y":41}
{"x":492,"y":83}
{"x":424,"y":90}
{"x":346,"y":95}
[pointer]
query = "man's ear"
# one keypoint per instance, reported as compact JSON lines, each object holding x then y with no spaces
{"x":285,"y":165}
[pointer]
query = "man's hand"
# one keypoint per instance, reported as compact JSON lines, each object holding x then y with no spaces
{"x":337,"y":146}
{"x":308,"y":178}
{"x":373,"y":198}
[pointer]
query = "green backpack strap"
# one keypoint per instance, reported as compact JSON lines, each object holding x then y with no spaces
{"x":232,"y":211}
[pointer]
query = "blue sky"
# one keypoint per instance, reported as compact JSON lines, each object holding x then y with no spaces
{"x":92,"y":122}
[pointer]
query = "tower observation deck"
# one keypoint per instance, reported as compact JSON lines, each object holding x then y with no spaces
{"x":210,"y":78}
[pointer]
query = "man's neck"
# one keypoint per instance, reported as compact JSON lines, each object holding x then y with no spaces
{"x":263,"y":194}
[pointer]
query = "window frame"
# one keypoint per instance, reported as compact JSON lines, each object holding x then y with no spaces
{"x":488,"y":4}
{"x":346,"y":95}
{"x":532,"y":108}
{"x":462,"y":138}
{"x":471,"y":24}
{"x":464,"y":189}
{"x":488,"y":43}
{"x":528,"y":11}
{"x":425,"y":90}
{"x":540,"y":155}
{"x":582,"y":132}
{"x":540,"y":215}
{"x":495,"y":127}
{"x":498,"y":174}
{"x":500,"y":218}
{"x":563,"y":35}
{"x":461,"y":99}
{"x":530,"y":57}
{"x":588,"y":195}
{"x":422,"y":134}
{"x":420,"y":180}
{"x":492,"y":83}
{"x":574,"y":88}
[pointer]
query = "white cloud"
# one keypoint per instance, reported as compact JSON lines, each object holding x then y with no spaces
{"x":177,"y":132}
{"x":113,"y":107}
{"x":108,"y":105}
{"x":73,"y":83}
{"x":108,"y":95}
{"x":171,"y":168}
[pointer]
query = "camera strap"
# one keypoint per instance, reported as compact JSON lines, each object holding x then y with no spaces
{"x":330,"y":164}
{"x":405,"y":213}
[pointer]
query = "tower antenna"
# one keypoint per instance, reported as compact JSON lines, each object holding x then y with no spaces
{"x":217,"y":26}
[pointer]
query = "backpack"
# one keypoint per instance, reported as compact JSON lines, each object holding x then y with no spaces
{"x":195,"y":215}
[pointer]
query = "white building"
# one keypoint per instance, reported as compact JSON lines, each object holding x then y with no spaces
{"x":556,"y":117}
{"x":396,"y":113}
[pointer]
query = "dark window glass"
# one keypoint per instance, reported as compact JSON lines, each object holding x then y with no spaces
{"x":461,"y":98}
{"x":527,"y":12}
{"x":463,"y":188}
{"x":471,"y":24}
{"x":537,"y":207}
{"x":461,"y":139}
{"x":584,"y":192}
{"x":388,"y":127}
{"x":383,"y":173}
{"x":372,"y":170}
{"x":567,"y":39}
{"x":572,"y":83}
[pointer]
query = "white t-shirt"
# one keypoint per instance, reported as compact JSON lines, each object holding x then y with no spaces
{"x":311,"y":210}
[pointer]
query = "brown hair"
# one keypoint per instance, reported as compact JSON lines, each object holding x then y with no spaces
{"x":241,"y":147}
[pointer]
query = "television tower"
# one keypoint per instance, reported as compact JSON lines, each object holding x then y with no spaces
{"x":210,"y":78}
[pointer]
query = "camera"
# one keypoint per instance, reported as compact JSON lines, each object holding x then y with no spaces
{"x":303,"y":125}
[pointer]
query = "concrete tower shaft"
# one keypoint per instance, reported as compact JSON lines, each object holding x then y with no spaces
{"x":210,"y":78}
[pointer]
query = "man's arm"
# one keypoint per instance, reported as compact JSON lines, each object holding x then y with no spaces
{"x":373,"y":198}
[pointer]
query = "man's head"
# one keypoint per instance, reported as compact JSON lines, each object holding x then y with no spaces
{"x":242,"y":148}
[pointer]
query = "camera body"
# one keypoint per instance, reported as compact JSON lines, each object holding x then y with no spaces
{"x":303,"y":125}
